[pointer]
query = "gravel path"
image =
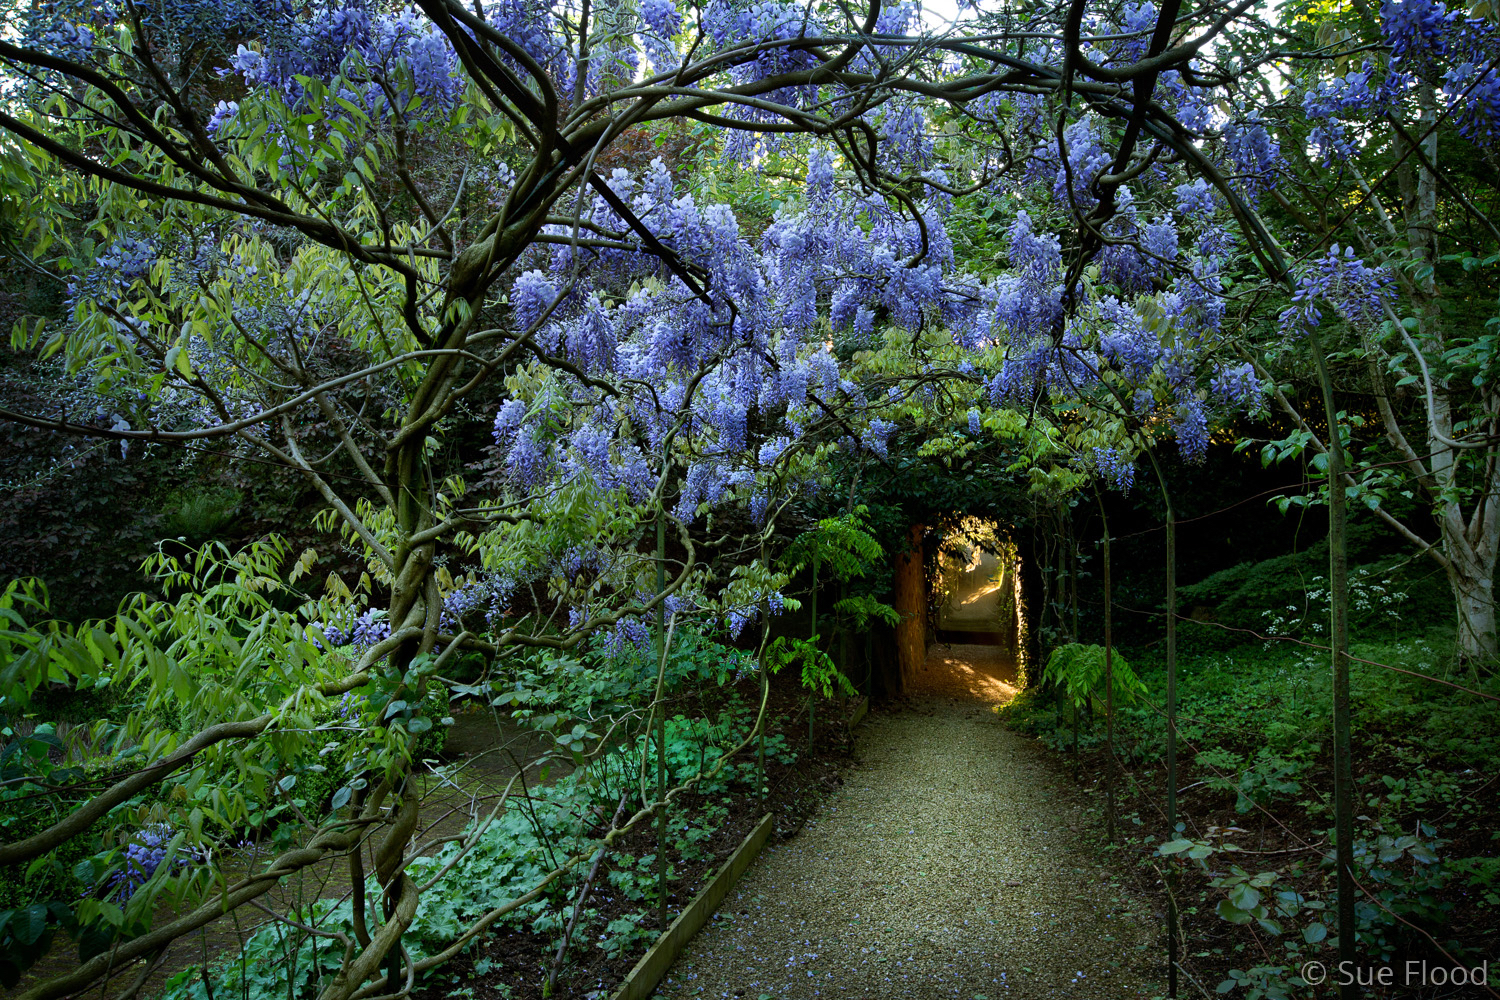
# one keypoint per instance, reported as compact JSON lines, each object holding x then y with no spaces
{"x":951,"y":864}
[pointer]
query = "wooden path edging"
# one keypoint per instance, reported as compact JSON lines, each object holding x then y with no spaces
{"x":859,"y":713}
{"x":653,"y":966}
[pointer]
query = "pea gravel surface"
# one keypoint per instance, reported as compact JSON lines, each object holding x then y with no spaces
{"x":955,"y":861}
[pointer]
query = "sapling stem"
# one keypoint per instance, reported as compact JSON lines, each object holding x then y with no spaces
{"x":1109,"y":681}
{"x":661,"y":733}
{"x":813,"y":694}
{"x":1171,"y":533}
{"x":1338,"y":601}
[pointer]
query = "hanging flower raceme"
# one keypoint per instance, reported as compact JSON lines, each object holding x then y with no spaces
{"x":1146,"y":324}
{"x":1254,"y":155}
{"x":1356,"y":291}
{"x":1114,"y":467}
{"x":719,"y":388}
{"x":1430,"y":46}
{"x":145,"y":852}
{"x":368,"y":59}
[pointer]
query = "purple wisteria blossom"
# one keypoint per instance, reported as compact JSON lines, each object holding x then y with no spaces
{"x":145,"y":852}
{"x":1339,"y":278}
{"x":1114,"y":468}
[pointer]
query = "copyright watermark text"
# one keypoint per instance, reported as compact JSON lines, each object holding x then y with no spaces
{"x":1405,"y":974}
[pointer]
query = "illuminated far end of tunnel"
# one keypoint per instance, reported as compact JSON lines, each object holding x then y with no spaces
{"x":975,"y":590}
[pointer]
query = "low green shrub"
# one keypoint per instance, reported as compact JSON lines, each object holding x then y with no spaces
{"x":511,"y":854}
{"x":1287,"y":597}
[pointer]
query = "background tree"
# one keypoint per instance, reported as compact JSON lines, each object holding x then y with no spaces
{"x":1392,"y":122}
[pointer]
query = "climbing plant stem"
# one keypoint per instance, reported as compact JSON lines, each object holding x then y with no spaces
{"x":1171,"y":533}
{"x":1109,"y":680}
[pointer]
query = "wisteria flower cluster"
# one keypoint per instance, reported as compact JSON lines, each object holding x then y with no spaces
{"x":365,"y":631}
{"x":1115,"y":468}
{"x":1430,"y":45}
{"x":1158,"y":331}
{"x":145,"y":853}
{"x":753,"y":349}
{"x":366,"y":56}
{"x":703,"y":366}
{"x":1339,"y":278}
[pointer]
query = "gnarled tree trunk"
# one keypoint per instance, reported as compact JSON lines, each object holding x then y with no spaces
{"x":1471,"y":574}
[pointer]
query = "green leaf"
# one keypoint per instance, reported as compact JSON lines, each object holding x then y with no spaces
{"x":1228,"y":911}
{"x":29,"y":924}
{"x":1244,"y":897}
{"x":1314,"y":932}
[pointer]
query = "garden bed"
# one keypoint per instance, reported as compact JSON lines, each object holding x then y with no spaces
{"x":513,"y":961}
{"x":513,"y":964}
{"x":1254,"y":761}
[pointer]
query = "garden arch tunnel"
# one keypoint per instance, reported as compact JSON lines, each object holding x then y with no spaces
{"x":959,"y":590}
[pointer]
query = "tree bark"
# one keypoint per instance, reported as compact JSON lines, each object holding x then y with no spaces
{"x":1173,"y":946}
{"x":1109,"y":680}
{"x":1471,"y":575}
{"x":911,"y":603}
{"x":1338,"y":586}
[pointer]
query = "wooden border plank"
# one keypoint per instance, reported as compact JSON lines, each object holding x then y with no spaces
{"x":653,"y":966}
{"x":858,"y":714}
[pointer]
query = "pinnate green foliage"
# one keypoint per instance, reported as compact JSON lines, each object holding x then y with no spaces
{"x":840,"y":546}
{"x":229,"y":638}
{"x":501,"y":860}
{"x":819,"y":673}
{"x":1078,"y":669}
{"x":861,"y":609}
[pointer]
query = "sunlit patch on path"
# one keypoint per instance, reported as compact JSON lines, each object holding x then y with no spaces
{"x":951,"y":864}
{"x":986,"y":674}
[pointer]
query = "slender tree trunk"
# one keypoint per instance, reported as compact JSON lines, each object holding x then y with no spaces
{"x":414,"y":602}
{"x":1471,"y":575}
{"x":661,"y":731}
{"x":760,"y":742}
{"x":1109,"y":683}
{"x":1172,"y":918}
{"x":1470,"y":547}
{"x":765,"y":698}
{"x":1074,"y":562}
{"x":1171,"y":532}
{"x":812,"y":696}
{"x":846,"y":649}
{"x":765,"y":687}
{"x":910,"y":600}
{"x":1338,"y":585}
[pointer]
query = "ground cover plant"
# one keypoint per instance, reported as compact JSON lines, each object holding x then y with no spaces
{"x":572,"y":425}
{"x":1254,"y":719}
